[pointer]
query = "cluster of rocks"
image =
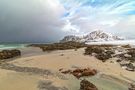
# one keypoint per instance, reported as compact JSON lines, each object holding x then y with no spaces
{"x":6,"y":54}
{"x":128,"y":66}
{"x":86,"y":85}
{"x":128,"y":55}
{"x":103,"y":52}
{"x":127,"y":59}
{"x":125,"y":54}
{"x":131,"y":53}
{"x":132,"y":87}
{"x":78,"y":73}
{"x":59,"y":46}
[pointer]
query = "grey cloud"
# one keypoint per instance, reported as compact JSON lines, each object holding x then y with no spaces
{"x":29,"y":21}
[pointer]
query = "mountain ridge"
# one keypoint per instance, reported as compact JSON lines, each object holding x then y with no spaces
{"x":94,"y":36}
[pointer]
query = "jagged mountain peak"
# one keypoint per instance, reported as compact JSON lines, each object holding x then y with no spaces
{"x":93,"y":36}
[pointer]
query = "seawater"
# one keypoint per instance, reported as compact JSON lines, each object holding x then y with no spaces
{"x":11,"y":46}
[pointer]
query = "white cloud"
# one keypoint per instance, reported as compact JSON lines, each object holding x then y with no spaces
{"x":68,"y":27}
{"x":126,"y":27}
{"x":109,"y":16}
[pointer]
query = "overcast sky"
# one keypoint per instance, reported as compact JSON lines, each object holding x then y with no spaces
{"x":50,"y":20}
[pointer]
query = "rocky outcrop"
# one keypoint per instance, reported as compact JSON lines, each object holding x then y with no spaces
{"x":86,"y":85}
{"x":59,"y":46}
{"x":78,"y":73}
{"x":125,"y":54}
{"x":6,"y":54}
{"x":101,"y":52}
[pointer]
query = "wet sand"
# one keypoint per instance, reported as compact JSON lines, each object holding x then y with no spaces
{"x":10,"y":80}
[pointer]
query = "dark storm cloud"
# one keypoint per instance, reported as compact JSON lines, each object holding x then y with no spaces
{"x":30,"y":21}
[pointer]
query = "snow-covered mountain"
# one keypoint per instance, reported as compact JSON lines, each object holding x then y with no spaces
{"x":95,"y":36}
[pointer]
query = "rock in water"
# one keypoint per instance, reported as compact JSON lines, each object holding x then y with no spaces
{"x":86,"y":85}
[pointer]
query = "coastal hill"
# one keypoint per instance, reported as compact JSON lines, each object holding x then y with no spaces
{"x":95,"y":36}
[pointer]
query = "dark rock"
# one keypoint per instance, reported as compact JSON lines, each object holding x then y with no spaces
{"x":92,"y":49}
{"x":128,"y":66}
{"x":119,"y":60}
{"x":61,"y":69}
{"x":120,"y":56}
{"x":66,"y":72}
{"x":110,"y":52}
{"x":78,"y":73}
{"x":6,"y":54}
{"x":59,"y":46}
{"x":86,"y":85}
{"x":101,"y":52}
{"x":126,"y":46}
{"x":103,"y":56}
{"x":131,"y":52}
{"x":132,"y":87}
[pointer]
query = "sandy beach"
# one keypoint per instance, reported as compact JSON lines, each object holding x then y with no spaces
{"x":67,"y":45}
{"x":108,"y":72}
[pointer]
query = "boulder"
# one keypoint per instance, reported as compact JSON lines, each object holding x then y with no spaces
{"x":86,"y":85}
{"x":103,"y":56}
